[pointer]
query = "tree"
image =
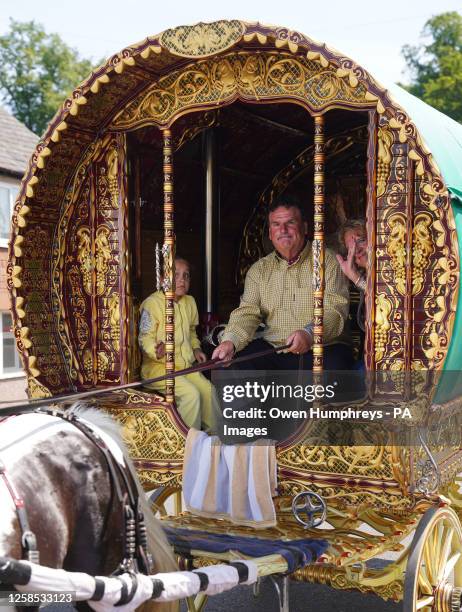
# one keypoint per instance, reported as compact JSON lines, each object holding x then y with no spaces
{"x":436,"y":65}
{"x":37,"y":72}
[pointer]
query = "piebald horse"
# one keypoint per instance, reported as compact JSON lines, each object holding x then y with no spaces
{"x":67,"y":489}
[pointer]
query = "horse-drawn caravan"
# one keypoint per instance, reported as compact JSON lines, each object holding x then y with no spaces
{"x":185,"y":139}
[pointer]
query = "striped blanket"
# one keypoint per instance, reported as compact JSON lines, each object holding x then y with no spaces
{"x":232,"y":482}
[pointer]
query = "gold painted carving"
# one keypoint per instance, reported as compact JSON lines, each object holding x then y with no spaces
{"x":101,"y":259}
{"x":382,"y":324}
{"x":79,"y":188}
{"x":396,"y":249}
{"x":202,"y":39}
{"x":88,"y":364}
{"x":422,"y":249}
{"x":102,"y":363}
{"x":114,"y":319}
{"x":112,"y":163}
{"x":246,"y":76}
{"x":36,"y":389}
{"x":385,"y":140}
{"x":84,"y":257}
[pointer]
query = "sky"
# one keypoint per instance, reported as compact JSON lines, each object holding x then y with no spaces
{"x":371,"y":33}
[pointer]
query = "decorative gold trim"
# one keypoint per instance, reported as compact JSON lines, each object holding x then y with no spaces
{"x":202,"y":39}
{"x":36,"y":389}
{"x":246,"y":76}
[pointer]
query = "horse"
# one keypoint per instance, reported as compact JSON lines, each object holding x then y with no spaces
{"x":68,"y":491}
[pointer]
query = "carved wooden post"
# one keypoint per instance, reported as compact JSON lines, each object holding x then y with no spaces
{"x":318,"y":244}
{"x":169,"y":264}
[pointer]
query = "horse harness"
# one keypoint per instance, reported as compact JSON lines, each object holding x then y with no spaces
{"x":136,"y":557}
{"x":28,"y":540}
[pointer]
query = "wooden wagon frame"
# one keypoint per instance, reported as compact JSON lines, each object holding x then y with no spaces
{"x":77,"y":269}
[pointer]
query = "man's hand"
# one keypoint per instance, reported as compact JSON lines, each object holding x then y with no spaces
{"x":200,"y":356}
{"x":160,"y":350}
{"x":224,"y":351}
{"x":300,"y":342}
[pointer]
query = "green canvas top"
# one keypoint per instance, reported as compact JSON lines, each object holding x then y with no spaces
{"x":443,"y":137}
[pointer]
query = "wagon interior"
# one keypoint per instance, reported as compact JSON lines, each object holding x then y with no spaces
{"x":253,"y":153}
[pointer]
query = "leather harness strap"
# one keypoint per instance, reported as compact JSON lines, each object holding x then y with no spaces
{"x":136,"y":557}
{"x":28,"y":539}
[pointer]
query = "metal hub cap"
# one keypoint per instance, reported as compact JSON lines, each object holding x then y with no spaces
{"x":309,"y":509}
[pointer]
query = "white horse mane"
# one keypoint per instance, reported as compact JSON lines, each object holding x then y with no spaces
{"x":101,"y":419}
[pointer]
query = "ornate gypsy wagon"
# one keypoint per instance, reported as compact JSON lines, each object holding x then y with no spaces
{"x":185,"y":138}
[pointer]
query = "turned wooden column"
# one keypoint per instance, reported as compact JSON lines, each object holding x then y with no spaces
{"x":169,"y":265}
{"x":318,"y":244}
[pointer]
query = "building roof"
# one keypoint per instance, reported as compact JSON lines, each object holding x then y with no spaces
{"x":17,"y":144}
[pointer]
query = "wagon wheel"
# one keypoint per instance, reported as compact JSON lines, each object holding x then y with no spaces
{"x":433,"y":580}
{"x":158,"y":501}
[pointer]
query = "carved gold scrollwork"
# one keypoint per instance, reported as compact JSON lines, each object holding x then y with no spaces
{"x":385,"y":140}
{"x":151,"y":434}
{"x":114,"y":319}
{"x":36,"y":389}
{"x":84,"y":257}
{"x":396,"y":248}
{"x":202,"y":39}
{"x":357,"y":457}
{"x":103,"y":364}
{"x":112,"y":163}
{"x":422,"y":249}
{"x":88,"y":363}
{"x":382,"y":324}
{"x":102,"y":257}
{"x":246,"y":75}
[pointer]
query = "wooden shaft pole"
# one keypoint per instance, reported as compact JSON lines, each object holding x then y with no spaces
{"x":169,"y":264}
{"x":318,"y":244}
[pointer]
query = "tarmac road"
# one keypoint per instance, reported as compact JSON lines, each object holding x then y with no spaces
{"x":303,"y":598}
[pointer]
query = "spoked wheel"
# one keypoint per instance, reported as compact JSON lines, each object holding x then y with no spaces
{"x":433,"y":580}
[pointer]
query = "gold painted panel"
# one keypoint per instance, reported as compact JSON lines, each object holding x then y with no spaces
{"x":202,"y":39}
{"x":86,"y":278}
{"x":246,"y":76}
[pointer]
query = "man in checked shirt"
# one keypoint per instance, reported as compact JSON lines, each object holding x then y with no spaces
{"x":278,"y":292}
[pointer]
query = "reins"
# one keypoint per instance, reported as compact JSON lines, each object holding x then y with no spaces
{"x":212,"y":364}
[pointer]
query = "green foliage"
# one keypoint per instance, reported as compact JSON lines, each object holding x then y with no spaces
{"x":436,"y":65}
{"x":37,"y":72}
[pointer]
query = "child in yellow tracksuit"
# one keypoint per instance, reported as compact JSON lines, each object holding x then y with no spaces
{"x":193,"y":392}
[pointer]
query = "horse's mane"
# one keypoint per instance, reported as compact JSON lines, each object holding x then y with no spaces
{"x":100,"y":419}
{"x":157,"y":542}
